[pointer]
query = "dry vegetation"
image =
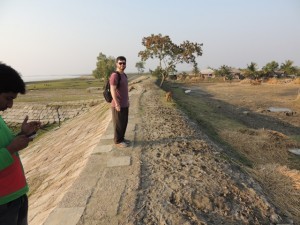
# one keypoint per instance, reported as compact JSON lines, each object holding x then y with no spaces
{"x":84,"y":88}
{"x":237,"y":115}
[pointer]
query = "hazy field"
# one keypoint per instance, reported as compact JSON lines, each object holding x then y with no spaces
{"x":62,"y":90}
{"x":236,"y":116}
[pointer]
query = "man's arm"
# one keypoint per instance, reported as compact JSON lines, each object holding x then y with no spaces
{"x":20,"y":142}
{"x":14,"y":143}
{"x":113,"y":90}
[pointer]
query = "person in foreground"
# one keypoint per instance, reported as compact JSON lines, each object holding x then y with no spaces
{"x":120,"y":103}
{"x":13,"y":185}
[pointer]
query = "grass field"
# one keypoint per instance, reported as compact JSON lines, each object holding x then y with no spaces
{"x":223,"y":109}
{"x":74,"y":89}
{"x":234,"y":117}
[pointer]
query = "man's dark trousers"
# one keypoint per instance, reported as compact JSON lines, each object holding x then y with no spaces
{"x":14,"y":212}
{"x":120,"y":121}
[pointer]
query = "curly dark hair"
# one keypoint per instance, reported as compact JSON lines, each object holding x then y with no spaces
{"x":10,"y":80}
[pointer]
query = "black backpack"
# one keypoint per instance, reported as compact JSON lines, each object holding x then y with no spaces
{"x":106,"y":93}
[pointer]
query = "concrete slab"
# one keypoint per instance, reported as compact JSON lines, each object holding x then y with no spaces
{"x":93,"y":169}
{"x":106,"y":142}
{"x":102,"y":149}
{"x":65,"y":216}
{"x":119,"y":161}
{"x":131,"y":127}
{"x":131,"y":117}
{"x":104,"y":203}
{"x":76,"y":198}
{"x":110,"y":127}
{"x":89,"y":221}
{"x":107,"y":136}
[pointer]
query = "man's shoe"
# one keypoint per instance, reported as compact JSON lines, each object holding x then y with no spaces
{"x":122,"y":145}
{"x":128,"y":142}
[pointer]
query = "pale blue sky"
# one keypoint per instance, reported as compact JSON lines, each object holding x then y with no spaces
{"x":56,"y":37}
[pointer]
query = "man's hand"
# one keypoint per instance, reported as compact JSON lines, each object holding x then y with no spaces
{"x":118,"y":108}
{"x":19,"y":143}
{"x":31,"y":127}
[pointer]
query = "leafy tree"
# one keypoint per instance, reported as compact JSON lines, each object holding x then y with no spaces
{"x":168,"y":53}
{"x":196,"y":70}
{"x":140,"y":66}
{"x":104,"y":67}
{"x":270,"y":68}
{"x":252,"y":71}
{"x":298,"y":71}
{"x":157,"y":72}
{"x":224,"y":71}
{"x":288,"y":67}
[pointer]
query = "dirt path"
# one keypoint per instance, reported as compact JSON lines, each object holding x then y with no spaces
{"x":184,"y":179}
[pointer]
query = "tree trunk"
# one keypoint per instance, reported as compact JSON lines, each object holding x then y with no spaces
{"x":162,"y":81}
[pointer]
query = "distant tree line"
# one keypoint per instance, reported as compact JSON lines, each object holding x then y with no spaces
{"x":169,"y":55}
{"x":271,"y":69}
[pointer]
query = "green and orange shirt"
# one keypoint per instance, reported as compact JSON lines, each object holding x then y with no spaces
{"x":12,"y":178}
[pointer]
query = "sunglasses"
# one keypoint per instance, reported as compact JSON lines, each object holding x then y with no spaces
{"x":122,"y":63}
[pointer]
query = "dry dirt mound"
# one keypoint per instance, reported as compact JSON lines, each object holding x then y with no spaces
{"x":262,"y":142}
{"x":297,"y":81}
{"x":185,"y":179}
{"x":283,"y":186}
{"x":268,"y":150}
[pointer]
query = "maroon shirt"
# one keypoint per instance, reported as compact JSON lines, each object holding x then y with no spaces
{"x":122,"y":90}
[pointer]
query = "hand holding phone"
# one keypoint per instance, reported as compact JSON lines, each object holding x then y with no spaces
{"x":32,"y":135}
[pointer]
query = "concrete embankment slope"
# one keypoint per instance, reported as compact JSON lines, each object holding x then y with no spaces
{"x":77,"y":176}
{"x":50,"y":113}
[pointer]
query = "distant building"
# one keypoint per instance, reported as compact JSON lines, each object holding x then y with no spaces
{"x":207,"y":73}
{"x":236,"y":74}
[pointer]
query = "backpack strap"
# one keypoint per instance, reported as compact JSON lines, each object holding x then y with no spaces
{"x":119,"y":75}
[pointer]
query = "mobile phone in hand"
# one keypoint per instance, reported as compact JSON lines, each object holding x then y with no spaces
{"x":32,"y":135}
